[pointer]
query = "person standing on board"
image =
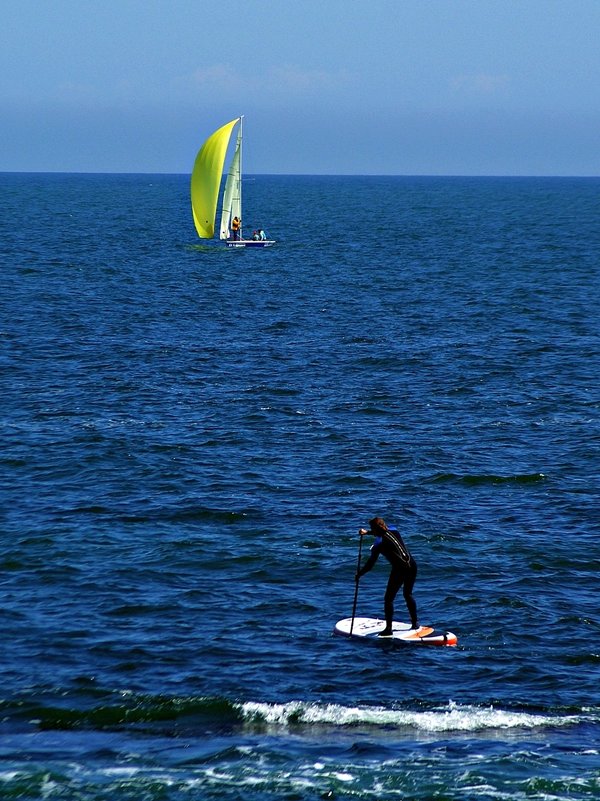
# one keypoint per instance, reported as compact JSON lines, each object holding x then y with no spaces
{"x":403,"y":573}
{"x":235,"y":227}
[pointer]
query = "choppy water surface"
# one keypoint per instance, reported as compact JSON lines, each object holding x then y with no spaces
{"x":191,"y":438}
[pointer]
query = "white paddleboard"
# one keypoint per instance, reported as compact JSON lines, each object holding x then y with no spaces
{"x":368,"y":628}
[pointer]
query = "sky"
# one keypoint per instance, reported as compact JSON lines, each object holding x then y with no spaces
{"x":368,"y":87}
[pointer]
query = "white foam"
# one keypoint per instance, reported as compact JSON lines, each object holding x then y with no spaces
{"x":121,"y":772}
{"x":343,"y":777}
{"x":453,"y":717}
{"x":9,"y":775}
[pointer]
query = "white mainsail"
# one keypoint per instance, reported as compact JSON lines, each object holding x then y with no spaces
{"x":232,"y":197}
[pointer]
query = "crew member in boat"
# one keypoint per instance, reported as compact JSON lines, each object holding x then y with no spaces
{"x":235,"y":228}
{"x":261,"y":234}
{"x":403,"y":573}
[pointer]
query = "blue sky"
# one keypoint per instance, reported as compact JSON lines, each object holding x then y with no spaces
{"x":409,"y":87}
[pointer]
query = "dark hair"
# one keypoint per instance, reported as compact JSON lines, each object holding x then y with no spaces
{"x":378,"y":524}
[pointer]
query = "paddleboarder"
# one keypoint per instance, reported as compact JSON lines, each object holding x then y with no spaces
{"x":403,"y":573}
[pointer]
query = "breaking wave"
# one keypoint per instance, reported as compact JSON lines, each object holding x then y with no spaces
{"x":453,"y":717}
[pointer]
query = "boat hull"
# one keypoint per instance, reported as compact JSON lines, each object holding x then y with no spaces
{"x":250,"y":243}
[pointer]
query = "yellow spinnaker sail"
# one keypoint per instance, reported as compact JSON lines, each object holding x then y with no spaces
{"x":206,"y":180}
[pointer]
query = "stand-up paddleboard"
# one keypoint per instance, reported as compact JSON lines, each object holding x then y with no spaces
{"x":368,"y":628}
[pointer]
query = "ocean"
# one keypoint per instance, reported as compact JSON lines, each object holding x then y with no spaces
{"x":192,"y":436}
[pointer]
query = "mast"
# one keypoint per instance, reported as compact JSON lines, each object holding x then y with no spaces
{"x":232,"y":193}
{"x":240,"y":176}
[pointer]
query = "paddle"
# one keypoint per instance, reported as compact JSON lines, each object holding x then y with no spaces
{"x":360,"y":539}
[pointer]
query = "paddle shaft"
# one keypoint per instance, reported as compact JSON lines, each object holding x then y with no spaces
{"x":356,"y":582}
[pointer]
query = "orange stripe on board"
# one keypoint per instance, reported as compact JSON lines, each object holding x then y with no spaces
{"x":424,"y":631}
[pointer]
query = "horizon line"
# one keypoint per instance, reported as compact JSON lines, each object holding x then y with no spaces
{"x":309,"y":174}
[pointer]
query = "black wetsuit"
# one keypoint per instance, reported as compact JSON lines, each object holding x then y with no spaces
{"x":403,"y":573}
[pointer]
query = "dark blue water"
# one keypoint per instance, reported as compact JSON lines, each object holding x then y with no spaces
{"x":191,"y":438}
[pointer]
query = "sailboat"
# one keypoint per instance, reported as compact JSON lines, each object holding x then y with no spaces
{"x":206,"y":185}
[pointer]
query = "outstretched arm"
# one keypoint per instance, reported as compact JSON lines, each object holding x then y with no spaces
{"x":368,"y":564}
